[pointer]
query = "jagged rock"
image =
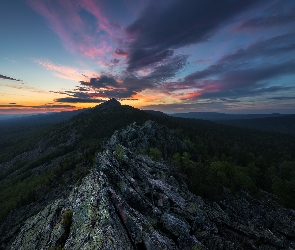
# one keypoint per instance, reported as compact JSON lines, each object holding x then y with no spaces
{"x":129,"y":201}
{"x":141,"y":138}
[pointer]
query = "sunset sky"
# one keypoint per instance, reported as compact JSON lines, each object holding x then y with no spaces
{"x":169,"y":55}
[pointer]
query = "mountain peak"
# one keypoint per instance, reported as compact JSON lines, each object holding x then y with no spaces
{"x":108,"y":104}
{"x":112,"y":102}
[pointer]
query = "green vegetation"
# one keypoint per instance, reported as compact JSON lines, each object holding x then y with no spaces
{"x":26,"y":187}
{"x":217,"y":156}
{"x":66,"y":222}
{"x":237,"y":159}
{"x":66,"y":218}
{"x":119,"y":153}
{"x":155,"y":154}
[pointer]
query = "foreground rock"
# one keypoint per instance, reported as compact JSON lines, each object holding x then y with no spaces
{"x":129,"y":201}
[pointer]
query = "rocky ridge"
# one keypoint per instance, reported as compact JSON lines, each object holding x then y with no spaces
{"x":129,"y":201}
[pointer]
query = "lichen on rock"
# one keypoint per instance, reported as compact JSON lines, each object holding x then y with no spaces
{"x":133,"y":202}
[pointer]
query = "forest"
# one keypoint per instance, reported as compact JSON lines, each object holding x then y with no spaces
{"x":218,"y":156}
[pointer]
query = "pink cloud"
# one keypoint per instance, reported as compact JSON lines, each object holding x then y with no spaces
{"x":120,"y":52}
{"x":192,"y":91}
{"x":93,"y":8}
{"x":65,"y":72}
{"x":203,"y":61}
{"x":76,"y":32}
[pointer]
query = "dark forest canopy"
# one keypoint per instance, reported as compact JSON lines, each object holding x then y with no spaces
{"x":217,"y":155}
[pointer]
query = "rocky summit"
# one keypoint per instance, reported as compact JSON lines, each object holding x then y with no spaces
{"x":133,"y":201}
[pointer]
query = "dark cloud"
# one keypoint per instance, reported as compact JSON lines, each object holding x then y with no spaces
{"x":12,"y":103}
{"x":101,"y":82}
{"x":115,"y":61}
{"x":282,"y":98}
{"x":106,"y":86}
{"x":166,"y":26}
{"x":275,"y":46}
{"x":129,"y":99}
{"x":192,"y":107}
{"x":121,"y":52}
{"x":274,"y":19}
{"x":248,"y":77}
{"x":141,"y":58}
{"x":210,"y":71}
{"x":82,"y":95}
{"x":9,"y":78}
{"x":250,"y":91}
{"x":241,"y":82}
{"x":81,"y":89}
{"x":119,"y":93}
{"x":78,"y":100}
{"x":167,"y":70}
{"x":229,"y":100}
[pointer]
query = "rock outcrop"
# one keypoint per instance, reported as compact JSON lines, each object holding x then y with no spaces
{"x":129,"y":201}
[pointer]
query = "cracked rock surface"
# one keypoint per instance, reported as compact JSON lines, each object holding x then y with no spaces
{"x":132,"y":202}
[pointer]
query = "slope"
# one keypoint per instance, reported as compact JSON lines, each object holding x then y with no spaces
{"x":281,"y":124}
{"x":61,"y":157}
{"x":129,"y":201}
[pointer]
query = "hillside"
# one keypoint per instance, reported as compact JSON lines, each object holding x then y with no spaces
{"x":281,"y":124}
{"x":214,"y":162}
{"x":278,"y":123}
{"x":215,"y":116}
{"x":131,"y":201}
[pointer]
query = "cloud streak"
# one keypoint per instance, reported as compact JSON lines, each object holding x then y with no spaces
{"x":271,"y":20}
{"x":64,"y":72}
{"x":9,"y":78}
{"x":78,"y":100}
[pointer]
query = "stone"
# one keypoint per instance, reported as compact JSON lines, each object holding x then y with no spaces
{"x":135,"y":203}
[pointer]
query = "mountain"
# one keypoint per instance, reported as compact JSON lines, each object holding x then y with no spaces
{"x":38,"y":119}
{"x":281,"y":124}
{"x":275,"y":122}
{"x":114,"y":176}
{"x":215,"y":116}
{"x":155,"y":113}
{"x":129,"y":201}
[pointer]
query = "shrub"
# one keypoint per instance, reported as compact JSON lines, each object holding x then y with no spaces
{"x":119,"y":153}
{"x":66,"y":218}
{"x":155,"y":154}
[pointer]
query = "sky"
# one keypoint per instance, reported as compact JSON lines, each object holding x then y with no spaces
{"x":170,"y":55}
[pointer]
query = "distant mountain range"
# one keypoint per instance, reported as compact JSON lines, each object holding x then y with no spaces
{"x":275,"y":122}
{"x":51,"y":117}
{"x":215,"y":116}
{"x":281,"y":124}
